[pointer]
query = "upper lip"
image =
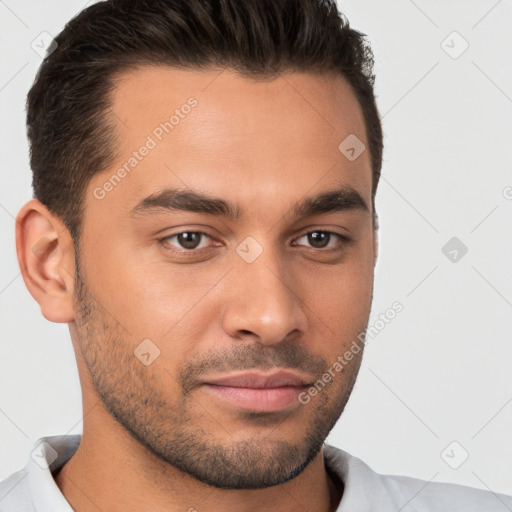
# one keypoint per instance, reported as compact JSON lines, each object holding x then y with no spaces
{"x":254,"y":379}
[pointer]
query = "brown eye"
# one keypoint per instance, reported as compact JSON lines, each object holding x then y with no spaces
{"x":187,"y":240}
{"x":322,"y":239}
{"x":319,"y":239}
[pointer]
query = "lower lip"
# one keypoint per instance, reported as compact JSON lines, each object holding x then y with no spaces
{"x":257,"y":399}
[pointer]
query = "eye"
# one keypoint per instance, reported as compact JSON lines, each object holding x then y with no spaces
{"x":188,"y":240}
{"x":321,"y":239}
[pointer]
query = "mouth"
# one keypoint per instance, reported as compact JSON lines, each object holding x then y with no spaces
{"x":258,"y":391}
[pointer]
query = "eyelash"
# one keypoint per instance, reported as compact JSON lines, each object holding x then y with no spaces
{"x":343,"y":240}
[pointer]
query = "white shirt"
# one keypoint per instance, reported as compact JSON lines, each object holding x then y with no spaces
{"x":33,"y":488}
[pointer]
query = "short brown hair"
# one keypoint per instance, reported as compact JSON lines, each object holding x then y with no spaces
{"x":70,"y":133}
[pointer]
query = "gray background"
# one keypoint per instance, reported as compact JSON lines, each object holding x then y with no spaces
{"x":441,"y":370}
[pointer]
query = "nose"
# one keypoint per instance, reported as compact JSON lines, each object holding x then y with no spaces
{"x":263,"y":301}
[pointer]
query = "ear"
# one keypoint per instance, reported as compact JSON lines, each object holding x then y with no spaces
{"x":375,"y":238}
{"x":46,"y":258}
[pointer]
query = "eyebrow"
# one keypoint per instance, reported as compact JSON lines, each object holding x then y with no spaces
{"x":170,"y":200}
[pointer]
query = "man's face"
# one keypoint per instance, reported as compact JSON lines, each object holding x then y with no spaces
{"x":162,"y":310}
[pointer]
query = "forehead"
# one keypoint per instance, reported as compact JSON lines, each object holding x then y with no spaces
{"x":220,"y":133}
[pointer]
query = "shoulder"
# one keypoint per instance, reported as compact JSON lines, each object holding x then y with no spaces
{"x":34,"y":485}
{"x":14,"y":493}
{"x":367,"y":490}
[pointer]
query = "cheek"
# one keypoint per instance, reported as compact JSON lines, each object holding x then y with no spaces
{"x":345,"y":303}
{"x":125,"y":287}
{"x":158,"y":299}
{"x":338,"y":299}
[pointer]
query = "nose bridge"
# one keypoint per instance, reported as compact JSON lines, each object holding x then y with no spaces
{"x":262,"y":301}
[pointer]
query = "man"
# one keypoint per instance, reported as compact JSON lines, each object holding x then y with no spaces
{"x":205,"y":176}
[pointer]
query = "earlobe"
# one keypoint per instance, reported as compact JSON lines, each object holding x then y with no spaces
{"x":46,"y":255}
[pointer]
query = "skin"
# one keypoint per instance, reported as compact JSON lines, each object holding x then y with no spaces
{"x":171,"y":445}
